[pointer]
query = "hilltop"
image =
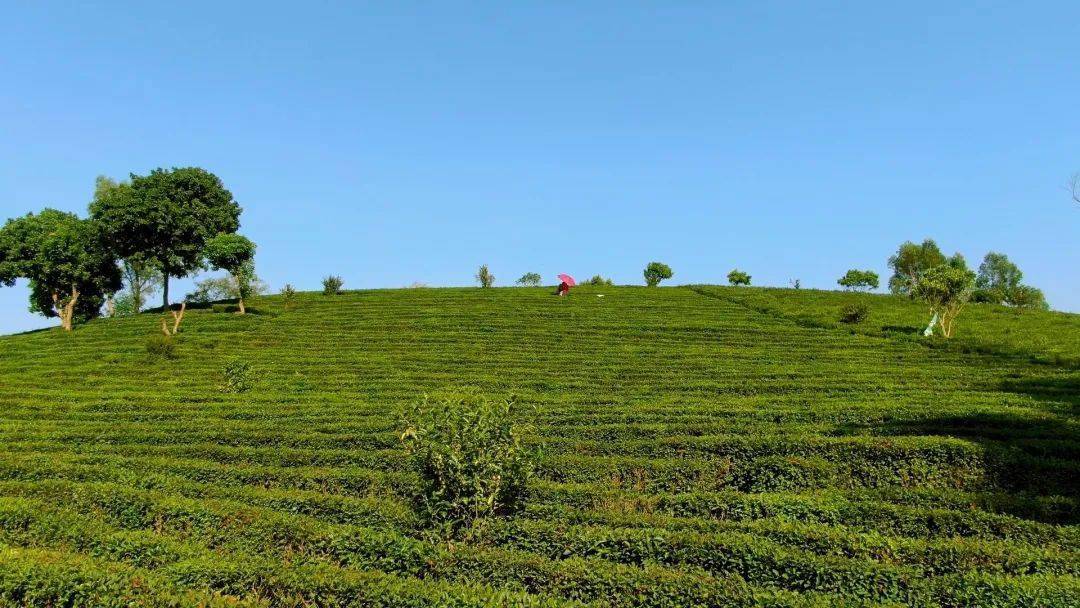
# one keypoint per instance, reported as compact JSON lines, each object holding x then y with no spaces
{"x":701,"y":446}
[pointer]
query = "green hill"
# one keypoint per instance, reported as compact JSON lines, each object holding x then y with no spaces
{"x":703,"y":446}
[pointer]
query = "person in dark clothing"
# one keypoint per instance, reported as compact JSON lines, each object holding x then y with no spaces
{"x":564,"y":288}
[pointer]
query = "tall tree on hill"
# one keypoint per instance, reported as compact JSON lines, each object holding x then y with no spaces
{"x":167,"y":217}
{"x":67,"y":260}
{"x":656,"y":272}
{"x":910,"y":261}
{"x":140,"y":277}
{"x":235,"y":254}
{"x":946,"y":288}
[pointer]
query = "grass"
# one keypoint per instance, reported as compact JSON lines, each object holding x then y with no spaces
{"x":702,"y":446}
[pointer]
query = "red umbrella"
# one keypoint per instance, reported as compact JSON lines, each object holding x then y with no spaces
{"x":569,"y":280}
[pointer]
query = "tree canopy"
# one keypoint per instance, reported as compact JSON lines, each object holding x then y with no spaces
{"x":656,"y":272}
{"x":167,"y":217}
{"x":910,"y":261}
{"x":946,"y":288}
{"x":70,"y":267}
{"x":738,"y":277}
{"x":235,"y":254}
{"x":859,"y":279}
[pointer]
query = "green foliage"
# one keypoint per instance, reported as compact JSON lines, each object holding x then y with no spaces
{"x":599,"y":281}
{"x":738,"y":277}
{"x":288,"y":296}
{"x":1025,"y":297}
{"x":166,"y":218}
{"x":656,"y":272}
{"x":484,"y":276}
{"x":235,"y":254}
{"x":160,"y":346}
{"x":715,"y":446}
{"x":855,"y":312}
{"x":910,"y":261}
{"x":946,"y":289}
{"x":331,"y":285}
{"x":530,"y":279}
{"x":68,"y":262}
{"x":859,"y":280}
{"x":469,"y":456}
{"x":237,"y":375}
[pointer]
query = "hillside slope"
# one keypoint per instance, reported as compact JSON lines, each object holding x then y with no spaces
{"x":700,"y":448}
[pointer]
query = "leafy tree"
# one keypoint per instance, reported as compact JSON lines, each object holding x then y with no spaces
{"x":910,"y":261}
{"x":167,"y":217}
{"x":1027,"y":297}
{"x":656,"y":272}
{"x":70,"y":267}
{"x":484,"y":276}
{"x":946,"y":288}
{"x":859,"y":279}
{"x":738,"y":277}
{"x":236,"y":254}
{"x":997,"y":278}
{"x":139,"y":275}
{"x":530,"y":279}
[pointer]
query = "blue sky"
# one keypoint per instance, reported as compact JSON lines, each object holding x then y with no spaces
{"x":400,"y":142}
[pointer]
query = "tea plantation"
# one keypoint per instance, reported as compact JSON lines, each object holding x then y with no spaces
{"x":703,"y":446}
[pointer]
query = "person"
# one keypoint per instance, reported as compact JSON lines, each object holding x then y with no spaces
{"x":564,"y":288}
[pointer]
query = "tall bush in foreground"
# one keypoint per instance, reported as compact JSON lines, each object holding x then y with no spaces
{"x":738,"y":277}
{"x":530,"y":279}
{"x":469,"y":456}
{"x":656,"y":272}
{"x":946,"y":289}
{"x":484,"y":276}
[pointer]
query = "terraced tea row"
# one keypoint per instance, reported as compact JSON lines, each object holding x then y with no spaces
{"x":698,"y":449}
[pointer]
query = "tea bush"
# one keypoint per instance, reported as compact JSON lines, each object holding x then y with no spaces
{"x":161,"y":347}
{"x":854,"y":313}
{"x":331,"y":285}
{"x":469,"y":456}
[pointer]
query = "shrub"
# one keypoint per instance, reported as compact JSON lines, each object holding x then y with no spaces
{"x":161,"y":347}
{"x":469,"y":456}
{"x":530,"y":279}
{"x":484,"y":277}
{"x":738,"y":277}
{"x":288,"y":296}
{"x":856,"y":312}
{"x":238,"y":376}
{"x":656,"y":272}
{"x":331,"y":285}
{"x":599,"y":281}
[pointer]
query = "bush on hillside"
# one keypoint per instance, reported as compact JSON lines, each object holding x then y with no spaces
{"x":599,"y":281}
{"x":484,"y":276}
{"x":469,"y":456}
{"x":331,"y":285}
{"x":856,"y":312}
{"x":288,"y":296}
{"x":738,"y":277}
{"x":530,"y":279}
{"x":238,"y":377}
{"x":161,"y":347}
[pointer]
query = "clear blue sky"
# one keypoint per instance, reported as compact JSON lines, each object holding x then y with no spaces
{"x":399,"y":142}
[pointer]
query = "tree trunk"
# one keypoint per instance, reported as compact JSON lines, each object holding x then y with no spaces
{"x":242,"y":310}
{"x":67,"y":311}
{"x":164,"y":288}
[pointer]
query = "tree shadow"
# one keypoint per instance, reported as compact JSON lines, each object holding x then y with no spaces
{"x":1061,"y":392}
{"x":901,"y":329}
{"x":1030,"y":463}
